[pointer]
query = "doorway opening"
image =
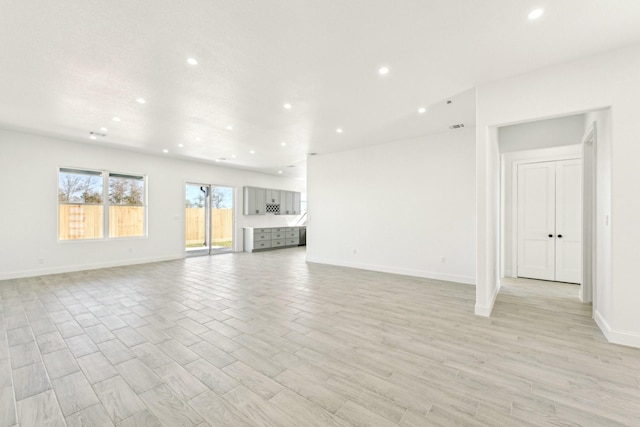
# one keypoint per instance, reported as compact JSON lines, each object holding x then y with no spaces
{"x":544,"y":223}
{"x":209,"y":219}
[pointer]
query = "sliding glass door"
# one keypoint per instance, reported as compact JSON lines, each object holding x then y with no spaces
{"x":221,"y":219}
{"x":208,"y":219}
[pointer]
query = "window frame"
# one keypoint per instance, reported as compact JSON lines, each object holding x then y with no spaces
{"x":104,"y":174}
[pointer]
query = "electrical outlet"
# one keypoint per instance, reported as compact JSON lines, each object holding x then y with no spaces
{"x":443,"y":260}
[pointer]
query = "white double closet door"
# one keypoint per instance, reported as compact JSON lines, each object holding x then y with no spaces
{"x":549,"y":211}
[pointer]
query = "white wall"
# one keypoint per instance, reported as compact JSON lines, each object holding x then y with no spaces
{"x":604,"y":290}
{"x":541,"y":134}
{"x":487,"y":217}
{"x":589,"y":84}
{"x":28,"y":204}
{"x":534,"y":141}
{"x":398,"y":207}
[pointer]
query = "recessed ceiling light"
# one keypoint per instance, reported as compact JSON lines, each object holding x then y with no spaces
{"x":180,"y":145}
{"x":383,"y":71}
{"x":339,"y":130}
{"x":536,"y":13}
{"x":287,"y":106}
{"x":279,"y":171}
{"x":422,"y":110}
{"x":192,"y":61}
{"x":252,"y":152}
{"x":229,"y":127}
{"x":198,"y":139}
{"x":233,"y":156}
{"x":217,"y":160}
{"x":284,"y":144}
{"x":93,"y":137}
{"x":165,"y":151}
{"x":140,"y":101}
{"x":116,"y":119}
{"x":103,"y":129}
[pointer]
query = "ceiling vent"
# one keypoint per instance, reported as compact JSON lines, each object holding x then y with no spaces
{"x":291,"y":166}
{"x":98,"y":134}
{"x":458,"y":126}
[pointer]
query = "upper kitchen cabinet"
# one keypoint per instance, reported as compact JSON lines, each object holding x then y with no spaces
{"x":289,"y":203}
{"x":255,"y":201}
{"x":297,"y":209}
{"x":260,"y":201}
{"x":286,"y":207}
{"x":274,"y":196}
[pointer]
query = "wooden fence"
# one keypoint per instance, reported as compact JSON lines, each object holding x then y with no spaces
{"x":80,"y":222}
{"x":86,"y":222}
{"x":221,"y":226}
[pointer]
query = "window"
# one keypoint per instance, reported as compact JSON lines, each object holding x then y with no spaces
{"x":80,"y":204}
{"x":126,"y":205}
{"x":91,"y":201}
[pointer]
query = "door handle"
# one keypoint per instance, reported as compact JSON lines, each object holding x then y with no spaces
{"x":550,"y":235}
{"x":559,"y":236}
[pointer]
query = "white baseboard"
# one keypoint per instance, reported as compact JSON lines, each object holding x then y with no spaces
{"x":83,"y":267}
{"x":468,"y":280}
{"x":616,"y":336}
{"x":485,"y":310}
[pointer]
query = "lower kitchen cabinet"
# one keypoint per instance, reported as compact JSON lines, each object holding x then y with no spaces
{"x":256,"y":239}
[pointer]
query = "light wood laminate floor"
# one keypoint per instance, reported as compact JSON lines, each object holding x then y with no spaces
{"x":265,"y":339}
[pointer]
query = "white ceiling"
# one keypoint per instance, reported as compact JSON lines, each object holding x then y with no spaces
{"x":67,"y":67}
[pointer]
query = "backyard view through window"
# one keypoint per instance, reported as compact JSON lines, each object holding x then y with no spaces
{"x":126,"y":205}
{"x":208,"y":219}
{"x":90,"y":201}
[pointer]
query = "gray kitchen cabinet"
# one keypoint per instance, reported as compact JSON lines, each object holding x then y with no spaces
{"x":260,"y":201}
{"x":296,"y":204}
{"x":254,"y":201}
{"x":274,"y":196}
{"x":286,"y":206}
{"x":256,"y":239}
